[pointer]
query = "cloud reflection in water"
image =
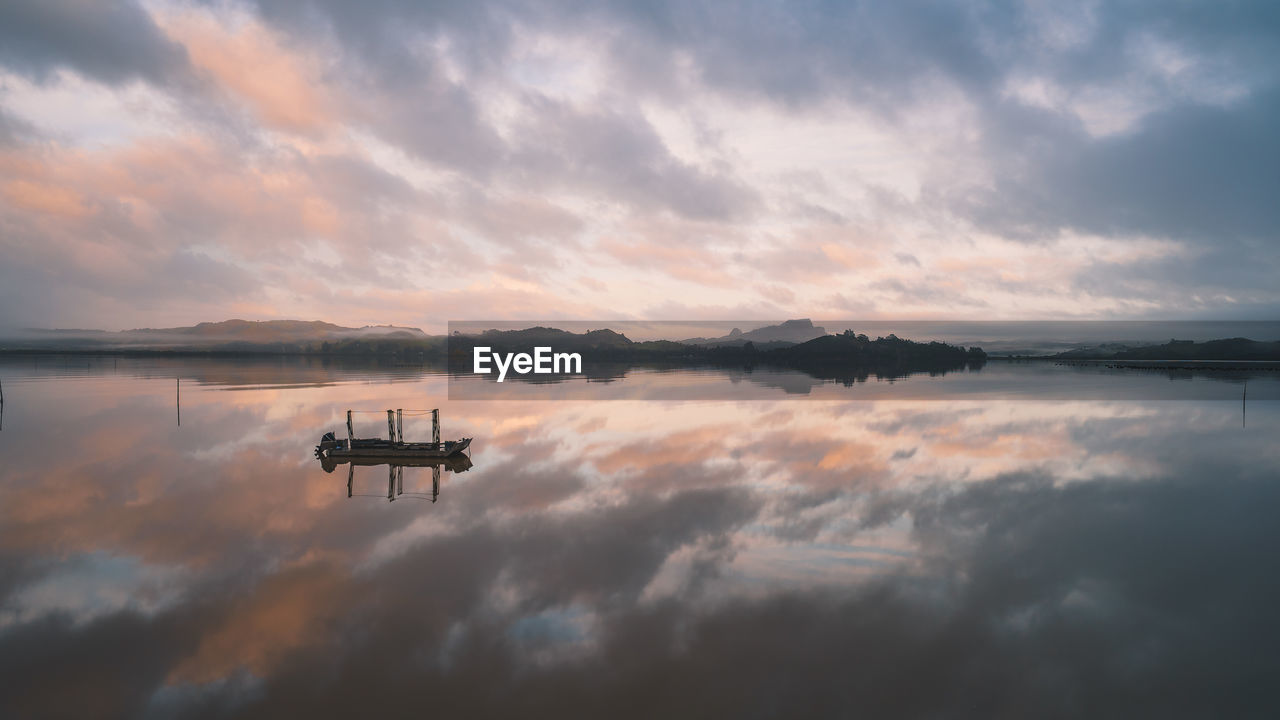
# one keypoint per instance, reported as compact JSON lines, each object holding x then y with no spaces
{"x":893,"y":558}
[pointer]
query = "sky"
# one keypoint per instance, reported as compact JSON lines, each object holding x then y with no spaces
{"x":166,"y":163}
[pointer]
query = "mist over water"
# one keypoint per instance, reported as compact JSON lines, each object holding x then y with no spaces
{"x":969,"y":545}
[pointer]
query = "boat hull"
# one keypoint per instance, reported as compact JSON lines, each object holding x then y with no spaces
{"x":456,"y":463}
{"x":386,"y":449}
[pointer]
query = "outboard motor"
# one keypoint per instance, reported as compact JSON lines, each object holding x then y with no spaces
{"x":328,"y":441}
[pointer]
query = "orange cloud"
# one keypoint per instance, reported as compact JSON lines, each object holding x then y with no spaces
{"x":277,"y":619}
{"x":46,"y":198}
{"x":248,"y":61}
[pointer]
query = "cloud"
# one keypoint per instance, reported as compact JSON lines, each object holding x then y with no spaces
{"x":620,"y":155}
{"x":12,"y":129}
{"x":866,"y":158}
{"x":112,"y":43}
{"x":1193,"y":172}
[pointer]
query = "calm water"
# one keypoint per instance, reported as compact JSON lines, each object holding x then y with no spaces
{"x":1026,"y":541}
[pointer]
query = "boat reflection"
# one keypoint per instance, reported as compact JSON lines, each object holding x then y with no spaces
{"x":395,"y":453}
{"x":395,"y":473}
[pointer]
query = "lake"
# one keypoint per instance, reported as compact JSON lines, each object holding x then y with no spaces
{"x":1024,"y":540}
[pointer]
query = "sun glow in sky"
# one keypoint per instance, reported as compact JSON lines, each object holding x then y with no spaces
{"x":168,"y":163}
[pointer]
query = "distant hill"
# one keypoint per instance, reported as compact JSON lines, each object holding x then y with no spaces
{"x":272,"y":331}
{"x":597,"y":346}
{"x":236,"y":336}
{"x":1238,"y":349}
{"x":1090,"y":351}
{"x":789,"y":332}
{"x":850,"y":356}
{"x":846,"y":356}
{"x":545,"y":335}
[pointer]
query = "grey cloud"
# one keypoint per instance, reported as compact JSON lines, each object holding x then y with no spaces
{"x":1189,"y":171}
{"x":435,"y":120}
{"x":42,"y":659}
{"x":626,"y":546}
{"x":411,"y":104}
{"x":516,"y":486}
{"x":389,"y":64}
{"x":1194,"y":172}
{"x":905,"y":292}
{"x":35,"y":290}
{"x":110,"y":42}
{"x":18,"y":571}
{"x":408,"y":101}
{"x":1194,"y":287}
{"x":13,"y":130}
{"x":801,"y":52}
{"x":1201,"y":175}
{"x":359,"y":181}
{"x":382,"y":34}
{"x":619,"y":153}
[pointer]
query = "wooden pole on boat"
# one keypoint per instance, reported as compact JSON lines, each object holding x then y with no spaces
{"x":435,"y":427}
{"x":351,"y":433}
{"x":391,"y":425}
{"x":399,"y":425}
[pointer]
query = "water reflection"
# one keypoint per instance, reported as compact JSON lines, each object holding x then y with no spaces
{"x":395,"y":472}
{"x":995,"y":379}
{"x":894,"y":558}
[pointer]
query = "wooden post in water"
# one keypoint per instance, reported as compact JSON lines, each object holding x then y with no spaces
{"x":399,"y":480}
{"x":351,"y":433}
{"x":435,"y":427}
{"x":351,"y":477}
{"x":178,"y":398}
{"x":391,"y":483}
{"x":435,"y":482}
{"x":391,"y":425}
{"x":399,"y":425}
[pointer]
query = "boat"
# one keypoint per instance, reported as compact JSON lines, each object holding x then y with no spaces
{"x":379,"y":448}
{"x":456,"y":463}
{"x":392,"y":448}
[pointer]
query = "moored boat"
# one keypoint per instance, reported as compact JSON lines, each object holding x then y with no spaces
{"x":393,"y":447}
